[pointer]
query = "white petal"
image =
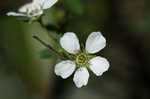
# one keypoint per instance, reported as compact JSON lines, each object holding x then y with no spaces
{"x":39,"y":2}
{"x":45,"y":3}
{"x":49,"y":3}
{"x":38,"y":13}
{"x":95,"y":42}
{"x":15,"y":14}
{"x":81,"y":77}
{"x":28,"y":6}
{"x":70,"y":42}
{"x":65,"y":68}
{"x":99,"y":65}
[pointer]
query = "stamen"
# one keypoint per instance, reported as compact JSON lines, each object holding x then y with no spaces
{"x":27,"y":10}
{"x":81,"y":59}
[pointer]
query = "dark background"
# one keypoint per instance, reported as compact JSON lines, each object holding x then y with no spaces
{"x":25,"y":74}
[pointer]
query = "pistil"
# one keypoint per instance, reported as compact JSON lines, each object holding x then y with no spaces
{"x":81,"y":59}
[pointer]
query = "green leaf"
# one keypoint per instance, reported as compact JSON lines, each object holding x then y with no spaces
{"x":76,"y":6}
{"x":58,"y":36}
{"x":46,"y":53}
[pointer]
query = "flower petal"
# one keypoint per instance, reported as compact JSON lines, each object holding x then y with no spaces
{"x":49,"y":3}
{"x":70,"y":42}
{"x":81,"y":77}
{"x":65,"y":68}
{"x":99,"y":65}
{"x":45,"y":4}
{"x":39,"y":2}
{"x":15,"y":14}
{"x":95,"y":42}
{"x":28,"y":6}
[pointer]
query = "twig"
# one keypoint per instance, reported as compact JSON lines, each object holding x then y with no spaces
{"x":49,"y":47}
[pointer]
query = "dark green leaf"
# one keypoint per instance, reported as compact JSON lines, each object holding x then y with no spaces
{"x":46,"y":53}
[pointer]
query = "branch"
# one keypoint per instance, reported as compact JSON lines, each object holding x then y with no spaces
{"x":49,"y":47}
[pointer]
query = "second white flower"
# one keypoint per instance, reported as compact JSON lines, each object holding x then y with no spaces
{"x":83,"y":60}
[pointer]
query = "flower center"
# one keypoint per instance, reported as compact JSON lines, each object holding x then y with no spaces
{"x":81,"y":59}
{"x":35,"y":11}
{"x":32,"y":12}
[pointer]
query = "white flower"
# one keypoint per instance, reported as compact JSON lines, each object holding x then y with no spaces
{"x":33,"y":9}
{"x":83,"y":60}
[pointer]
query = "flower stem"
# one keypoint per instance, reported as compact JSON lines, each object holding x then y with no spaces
{"x":49,"y":47}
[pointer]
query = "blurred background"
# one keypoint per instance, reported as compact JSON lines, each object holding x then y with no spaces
{"x":26,"y":67}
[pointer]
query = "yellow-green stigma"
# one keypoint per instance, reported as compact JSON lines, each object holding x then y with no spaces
{"x":81,"y":59}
